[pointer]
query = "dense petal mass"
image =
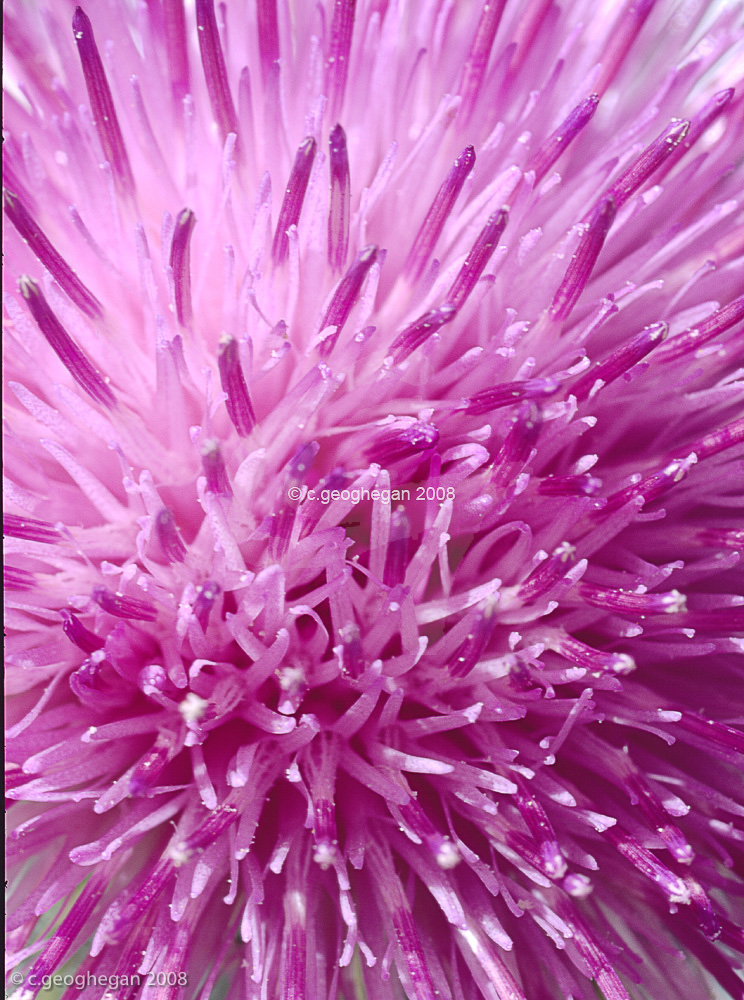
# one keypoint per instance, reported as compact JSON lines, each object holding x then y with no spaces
{"x":374,"y":463}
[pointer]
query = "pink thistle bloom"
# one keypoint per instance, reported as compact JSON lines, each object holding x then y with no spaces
{"x":374,"y":454}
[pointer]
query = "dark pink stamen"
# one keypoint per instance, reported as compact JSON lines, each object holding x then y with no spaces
{"x":508,"y":393}
{"x":394,"y":446}
{"x":63,"y":345}
{"x":209,"y":591}
{"x":14,"y":181}
{"x":649,"y":161}
{"x":518,"y":444}
{"x":238,"y":401}
{"x":625,"y":601}
{"x":180,"y":262}
{"x":526,"y":31}
{"x":15,"y":578}
{"x":78,"y":634}
{"x":722,"y":538}
{"x":57,"y":266}
{"x":411,"y":952}
{"x":420,"y":824}
{"x":69,"y":930}
{"x":148,"y":890}
{"x":101,"y":102}
{"x":526,"y":848}
{"x":152,"y":678}
{"x":552,"y":862}
{"x":719,"y":322}
{"x":699,"y":124}
{"x":324,"y":823}
{"x":585,"y":257}
{"x":151,"y":766}
{"x":86,"y":682}
{"x":176,"y":47}
{"x":667,"y":881}
{"x":719,"y":440}
{"x":438,"y":214}
{"x":294,"y":950}
{"x":338,"y":212}
{"x":594,"y":660}
{"x":345,"y":296}
{"x":215,"y":71}
{"x":478,"y":258}
{"x":420,"y":330}
{"x":725,"y":620}
{"x":283,"y":521}
{"x":280,"y":530}
{"x":123,"y":607}
{"x":214,"y":469}
{"x":725,"y":737}
{"x":470,"y":651}
{"x":301,"y":462}
{"x":294,"y":195}
{"x":621,"y":38}
{"x":570,"y":486}
{"x":564,"y":135}
{"x":167,"y":532}
{"x":337,"y":63}
{"x":268,"y":36}
{"x":542,"y":579}
{"x":396,"y":559}
{"x":705,"y":915}
{"x":474,"y":69}
{"x":352,"y":651}
{"x":31,"y":530}
{"x":640,"y":794}
{"x":621,"y":360}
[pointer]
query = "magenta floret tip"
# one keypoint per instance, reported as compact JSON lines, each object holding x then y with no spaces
{"x":373,"y":476}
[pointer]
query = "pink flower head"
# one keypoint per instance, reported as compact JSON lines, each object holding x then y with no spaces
{"x":374,"y":453}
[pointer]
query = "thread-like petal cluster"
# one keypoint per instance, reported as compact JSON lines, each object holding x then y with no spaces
{"x":374,"y":462}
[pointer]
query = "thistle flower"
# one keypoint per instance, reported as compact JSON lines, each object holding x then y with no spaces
{"x":374,"y":457}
